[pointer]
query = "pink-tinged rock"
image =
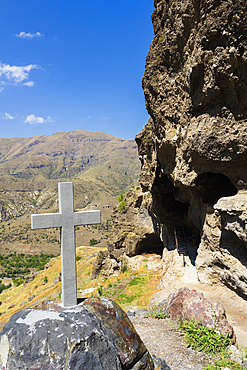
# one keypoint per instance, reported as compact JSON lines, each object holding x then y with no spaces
{"x":186,"y":304}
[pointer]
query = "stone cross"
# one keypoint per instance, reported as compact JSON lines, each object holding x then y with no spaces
{"x":66,"y":219}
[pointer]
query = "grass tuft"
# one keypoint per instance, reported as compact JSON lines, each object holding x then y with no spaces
{"x":157,"y":313}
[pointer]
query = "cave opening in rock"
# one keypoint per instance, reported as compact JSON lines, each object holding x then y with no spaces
{"x":213,"y":186}
{"x":183,"y":234}
{"x":180,"y":207}
{"x":150,"y":244}
{"x":186,"y":237}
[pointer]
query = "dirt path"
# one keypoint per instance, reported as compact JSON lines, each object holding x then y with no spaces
{"x":164,"y":341}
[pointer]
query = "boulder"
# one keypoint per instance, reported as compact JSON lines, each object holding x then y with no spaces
{"x":29,"y":278}
{"x":95,"y":335}
{"x":186,"y":304}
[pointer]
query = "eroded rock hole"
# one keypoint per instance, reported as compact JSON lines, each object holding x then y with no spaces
{"x":180,"y":207}
{"x":213,"y":186}
{"x":151,"y":244}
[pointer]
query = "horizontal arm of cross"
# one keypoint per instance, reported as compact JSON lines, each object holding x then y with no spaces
{"x":46,"y":220}
{"x":86,"y":218}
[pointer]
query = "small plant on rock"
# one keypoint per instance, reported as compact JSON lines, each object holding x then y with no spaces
{"x":121,"y":206}
{"x":224,"y":362}
{"x":157,"y":313}
{"x":121,"y":197}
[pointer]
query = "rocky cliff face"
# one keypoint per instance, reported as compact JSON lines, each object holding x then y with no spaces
{"x":195,"y":163}
{"x":193,"y":150}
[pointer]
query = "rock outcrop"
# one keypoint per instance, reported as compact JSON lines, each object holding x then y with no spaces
{"x":135,"y":231}
{"x":96,"y":335}
{"x":193,"y":150}
{"x":3,"y":214}
{"x":186,"y":304}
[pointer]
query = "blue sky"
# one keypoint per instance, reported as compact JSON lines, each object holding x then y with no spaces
{"x":73,"y":65}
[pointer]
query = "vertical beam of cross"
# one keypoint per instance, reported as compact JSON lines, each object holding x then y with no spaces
{"x":68,"y":257}
{"x":66,"y":219}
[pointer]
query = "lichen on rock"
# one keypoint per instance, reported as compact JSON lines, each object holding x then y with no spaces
{"x":96,"y":335}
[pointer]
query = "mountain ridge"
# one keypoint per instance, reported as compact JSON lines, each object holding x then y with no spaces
{"x":58,"y":155}
{"x":99,"y":164}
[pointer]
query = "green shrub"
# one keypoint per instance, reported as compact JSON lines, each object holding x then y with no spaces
{"x":124,"y":267}
{"x":121,"y":197}
{"x":100,"y":290}
{"x":93,"y":242}
{"x":45,"y":279}
{"x":121,"y":206}
{"x":201,"y":338}
{"x":3,"y":287}
{"x":18,"y":281}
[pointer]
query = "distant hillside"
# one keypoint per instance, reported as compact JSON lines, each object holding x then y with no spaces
{"x":100,"y":166}
{"x":66,"y":154}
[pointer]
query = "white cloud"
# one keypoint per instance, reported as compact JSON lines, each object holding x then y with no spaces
{"x":29,"y":35}
{"x":33,"y":119}
{"x":16,"y":74}
{"x":49,"y":119}
{"x":1,"y":87}
{"x":29,"y":83}
{"x":103,"y":117}
{"x":8,"y":116}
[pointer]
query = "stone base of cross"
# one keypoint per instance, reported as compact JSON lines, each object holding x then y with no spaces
{"x":66,"y":219}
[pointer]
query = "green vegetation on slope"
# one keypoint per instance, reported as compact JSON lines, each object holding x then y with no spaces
{"x":135,"y":286}
{"x":20,"y":264}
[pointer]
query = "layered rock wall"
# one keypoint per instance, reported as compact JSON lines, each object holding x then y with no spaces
{"x":193,"y":150}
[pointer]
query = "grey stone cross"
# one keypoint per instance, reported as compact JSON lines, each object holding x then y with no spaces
{"x":66,"y":219}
